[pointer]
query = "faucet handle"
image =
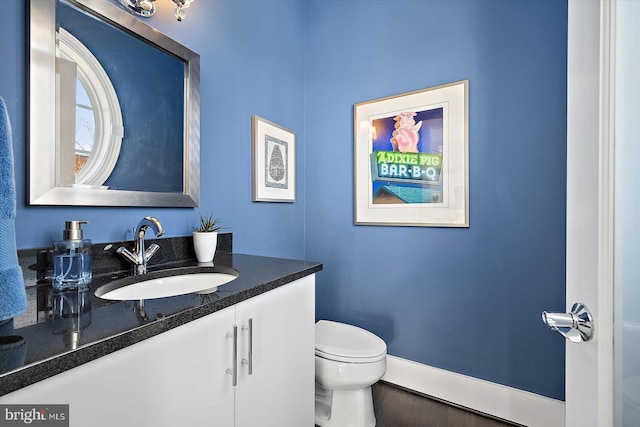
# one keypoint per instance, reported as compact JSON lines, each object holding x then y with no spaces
{"x":125,"y":253}
{"x":151,"y":251}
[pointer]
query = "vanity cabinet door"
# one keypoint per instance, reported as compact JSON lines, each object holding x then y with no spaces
{"x":280,"y":390}
{"x":176,"y":378}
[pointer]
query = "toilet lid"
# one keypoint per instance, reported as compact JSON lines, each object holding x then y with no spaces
{"x":342,"y":342}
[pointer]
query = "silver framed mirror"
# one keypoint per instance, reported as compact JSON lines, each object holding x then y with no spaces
{"x":114,"y":109}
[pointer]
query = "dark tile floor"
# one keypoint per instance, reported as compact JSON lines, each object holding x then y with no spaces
{"x":397,"y":407}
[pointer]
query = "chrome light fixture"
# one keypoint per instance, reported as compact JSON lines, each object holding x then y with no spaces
{"x":147,"y":8}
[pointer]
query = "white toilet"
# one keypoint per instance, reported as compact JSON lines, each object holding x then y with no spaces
{"x":349,"y":360}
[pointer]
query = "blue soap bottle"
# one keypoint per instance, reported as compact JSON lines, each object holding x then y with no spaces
{"x":72,"y":258}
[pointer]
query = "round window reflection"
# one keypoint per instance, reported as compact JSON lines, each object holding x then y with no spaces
{"x":90,"y":125}
{"x":85,"y":126}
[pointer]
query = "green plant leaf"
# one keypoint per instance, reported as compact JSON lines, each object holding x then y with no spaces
{"x":208,"y":224}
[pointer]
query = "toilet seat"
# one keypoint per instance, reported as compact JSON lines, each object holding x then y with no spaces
{"x":348,"y":343}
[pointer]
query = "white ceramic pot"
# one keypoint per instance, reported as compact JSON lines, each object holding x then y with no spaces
{"x":205,"y":245}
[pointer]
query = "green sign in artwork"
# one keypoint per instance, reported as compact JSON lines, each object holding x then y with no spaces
{"x":394,"y":166}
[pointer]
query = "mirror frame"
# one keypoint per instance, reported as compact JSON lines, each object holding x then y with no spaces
{"x":42,"y":112}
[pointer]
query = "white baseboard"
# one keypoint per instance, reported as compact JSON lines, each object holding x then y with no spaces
{"x":504,"y":402}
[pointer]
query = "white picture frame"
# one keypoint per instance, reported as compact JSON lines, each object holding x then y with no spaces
{"x":411,"y":165}
{"x":273,"y":162}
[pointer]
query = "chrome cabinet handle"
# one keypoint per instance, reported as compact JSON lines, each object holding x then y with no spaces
{"x":234,"y":372}
{"x":576,"y":326}
{"x":249,"y":362}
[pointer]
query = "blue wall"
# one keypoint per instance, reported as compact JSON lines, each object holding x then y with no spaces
{"x":252,"y":55}
{"x":465,"y":300}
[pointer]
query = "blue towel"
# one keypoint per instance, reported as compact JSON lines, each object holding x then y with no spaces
{"x":13,"y":351}
{"x":13,"y":298}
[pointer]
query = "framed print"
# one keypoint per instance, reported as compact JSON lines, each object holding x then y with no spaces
{"x":274,"y":154}
{"x":411,"y":158}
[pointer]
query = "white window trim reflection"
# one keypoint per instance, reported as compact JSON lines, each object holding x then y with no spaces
{"x":109,"y":128}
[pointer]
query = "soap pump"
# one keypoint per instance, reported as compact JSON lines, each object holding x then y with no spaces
{"x":72,"y":258}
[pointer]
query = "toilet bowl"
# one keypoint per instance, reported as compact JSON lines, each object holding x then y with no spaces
{"x":349,"y":360}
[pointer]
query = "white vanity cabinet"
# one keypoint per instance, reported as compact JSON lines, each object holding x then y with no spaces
{"x":183,"y":377}
{"x":280,"y":392}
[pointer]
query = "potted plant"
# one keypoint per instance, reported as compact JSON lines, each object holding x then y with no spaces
{"x":205,"y":238}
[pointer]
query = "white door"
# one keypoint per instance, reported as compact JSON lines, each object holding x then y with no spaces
{"x":603,"y":194}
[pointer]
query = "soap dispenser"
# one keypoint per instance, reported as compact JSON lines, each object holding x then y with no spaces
{"x":72,"y":258}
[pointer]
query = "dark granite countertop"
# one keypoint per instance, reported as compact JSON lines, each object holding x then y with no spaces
{"x":81,"y":327}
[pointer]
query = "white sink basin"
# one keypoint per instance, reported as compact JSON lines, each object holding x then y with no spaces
{"x":172,"y":283}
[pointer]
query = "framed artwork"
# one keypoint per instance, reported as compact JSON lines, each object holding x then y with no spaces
{"x":411,"y":158}
{"x":273,"y":154}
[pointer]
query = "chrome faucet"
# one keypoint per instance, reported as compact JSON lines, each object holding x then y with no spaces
{"x":140,"y":256}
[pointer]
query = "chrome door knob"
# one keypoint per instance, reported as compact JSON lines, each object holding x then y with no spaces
{"x":576,"y":326}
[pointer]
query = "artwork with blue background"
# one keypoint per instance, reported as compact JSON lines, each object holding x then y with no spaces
{"x":407,"y":157}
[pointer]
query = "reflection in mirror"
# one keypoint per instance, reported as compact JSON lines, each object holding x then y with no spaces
{"x":90,"y":119}
{"x":114,"y":109}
